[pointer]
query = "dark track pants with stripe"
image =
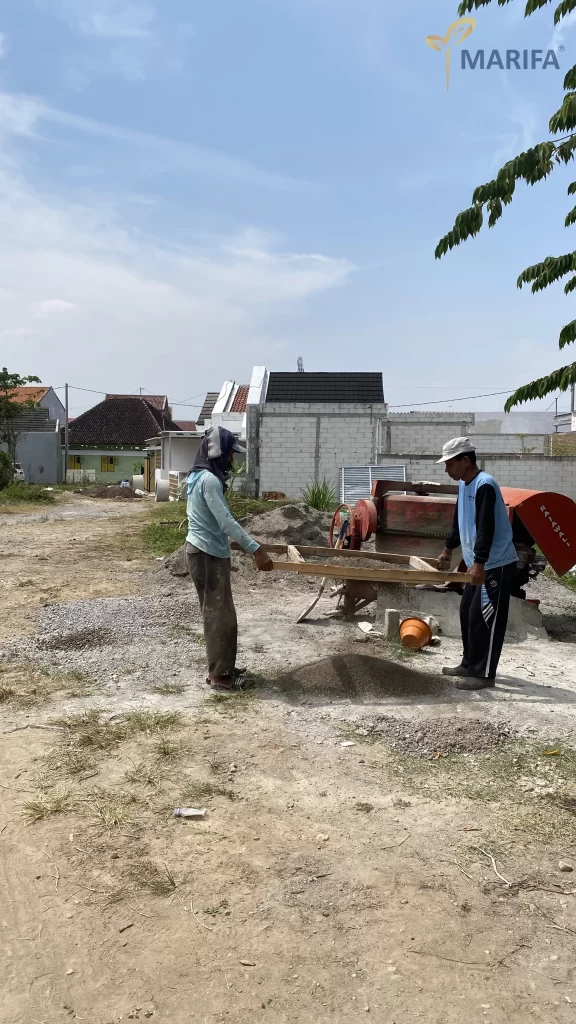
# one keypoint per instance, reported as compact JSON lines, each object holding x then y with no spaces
{"x":483,"y":620}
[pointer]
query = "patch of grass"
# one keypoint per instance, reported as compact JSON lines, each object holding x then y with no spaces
{"x":47,"y":804}
{"x":170,"y":689}
{"x":320,"y":495}
{"x":145,"y":774}
{"x":68,"y":762}
{"x":361,"y":806}
{"x":160,"y":881}
{"x":503,"y":776}
{"x":196,"y":792}
{"x":192,"y":634}
{"x":152,"y":721}
{"x":21,"y":494}
{"x":112,"y":810}
{"x":89,"y":731}
{"x":166,"y":750}
{"x":25,"y":685}
{"x":230,"y":703}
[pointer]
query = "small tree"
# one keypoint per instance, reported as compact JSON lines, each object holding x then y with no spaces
{"x":5,"y":469}
{"x":11,"y":410}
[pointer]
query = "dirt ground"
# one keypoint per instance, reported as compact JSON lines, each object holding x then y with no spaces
{"x":376,"y":844}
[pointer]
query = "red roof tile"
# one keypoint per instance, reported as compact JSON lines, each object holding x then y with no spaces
{"x":21,"y":395}
{"x":240,"y":398}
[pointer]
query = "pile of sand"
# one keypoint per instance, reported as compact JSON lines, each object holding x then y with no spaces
{"x":290,"y":524}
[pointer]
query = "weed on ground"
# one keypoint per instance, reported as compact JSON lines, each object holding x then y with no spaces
{"x":46,"y":804}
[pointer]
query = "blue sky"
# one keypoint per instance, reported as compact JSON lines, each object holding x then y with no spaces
{"x":189,"y":189}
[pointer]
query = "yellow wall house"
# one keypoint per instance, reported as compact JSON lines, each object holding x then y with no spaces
{"x":107,"y":443}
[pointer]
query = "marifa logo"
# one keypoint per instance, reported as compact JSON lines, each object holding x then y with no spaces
{"x":456,"y":34}
{"x":484,"y":60}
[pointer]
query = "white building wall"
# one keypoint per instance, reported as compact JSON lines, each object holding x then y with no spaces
{"x":534,"y":472}
{"x":302,"y":443}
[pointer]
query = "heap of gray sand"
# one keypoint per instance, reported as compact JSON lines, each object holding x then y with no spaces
{"x":290,"y":524}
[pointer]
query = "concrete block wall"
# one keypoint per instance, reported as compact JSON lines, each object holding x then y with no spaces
{"x":534,"y":472}
{"x":302,"y":443}
{"x":426,"y":433}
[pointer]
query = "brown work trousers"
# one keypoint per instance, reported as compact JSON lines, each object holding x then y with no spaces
{"x":211,"y":577}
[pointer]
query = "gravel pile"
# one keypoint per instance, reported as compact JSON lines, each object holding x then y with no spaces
{"x":155,"y":636}
{"x":558,"y":607}
{"x":437,"y":736}
{"x":291,"y":524}
{"x":355,"y":676}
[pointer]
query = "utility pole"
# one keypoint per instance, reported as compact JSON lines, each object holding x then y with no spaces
{"x":66,"y":433}
{"x":572,"y":399}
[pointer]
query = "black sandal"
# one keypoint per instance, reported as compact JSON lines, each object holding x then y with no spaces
{"x":236,"y":685}
{"x":238,"y":672}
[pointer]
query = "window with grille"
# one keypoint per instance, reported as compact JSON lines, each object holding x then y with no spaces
{"x":108,"y":463}
{"x":74,"y":462}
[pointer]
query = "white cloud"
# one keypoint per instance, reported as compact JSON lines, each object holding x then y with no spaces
{"x":53,"y":307}
{"x":105,"y":19}
{"x":121,"y":38}
{"x":139,"y":311}
{"x":21,"y":114}
{"x":561,"y":30}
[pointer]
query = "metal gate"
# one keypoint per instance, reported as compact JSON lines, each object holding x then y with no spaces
{"x":356,"y":481}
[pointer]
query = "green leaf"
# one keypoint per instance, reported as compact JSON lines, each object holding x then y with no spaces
{"x":559,"y":380}
{"x":571,"y":188}
{"x":542,"y":275}
{"x":562,"y":10}
{"x":567,"y":334}
{"x":495,"y":211}
{"x":534,"y":5}
{"x":570,"y":218}
{"x":467,"y":224}
{"x":565,"y":151}
{"x":472,"y":5}
{"x":569,"y":287}
{"x":564,"y":120}
{"x":570,"y":78}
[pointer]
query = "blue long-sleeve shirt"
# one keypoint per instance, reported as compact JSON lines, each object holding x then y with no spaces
{"x":211,"y":525}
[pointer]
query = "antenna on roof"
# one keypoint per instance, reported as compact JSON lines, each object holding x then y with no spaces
{"x":300,"y":364}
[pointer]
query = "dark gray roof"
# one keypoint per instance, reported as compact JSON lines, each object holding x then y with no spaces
{"x":206,"y":410}
{"x":364,"y":388}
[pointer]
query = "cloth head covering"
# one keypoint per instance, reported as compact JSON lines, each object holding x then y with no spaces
{"x":214,"y":452}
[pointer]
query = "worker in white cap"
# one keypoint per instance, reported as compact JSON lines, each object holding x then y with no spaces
{"x":482,"y":528}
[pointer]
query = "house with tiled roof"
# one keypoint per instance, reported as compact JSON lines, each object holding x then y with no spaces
{"x":228,"y":409}
{"x":303,"y":428}
{"x":108,"y":443}
{"x":40,"y":397}
{"x":203,"y":421}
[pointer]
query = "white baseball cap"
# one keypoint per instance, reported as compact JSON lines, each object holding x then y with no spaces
{"x":457,"y":446}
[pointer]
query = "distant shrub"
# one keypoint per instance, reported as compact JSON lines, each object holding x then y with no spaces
{"x":17,"y":493}
{"x":321,"y":496}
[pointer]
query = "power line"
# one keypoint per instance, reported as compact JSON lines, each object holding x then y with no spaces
{"x":443,"y":401}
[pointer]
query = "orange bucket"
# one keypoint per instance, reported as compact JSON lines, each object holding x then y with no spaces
{"x":415,"y":633}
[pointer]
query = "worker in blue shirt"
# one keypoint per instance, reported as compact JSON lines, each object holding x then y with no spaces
{"x":482,"y":527}
{"x":211,"y":526}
